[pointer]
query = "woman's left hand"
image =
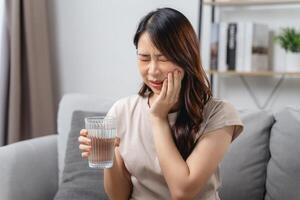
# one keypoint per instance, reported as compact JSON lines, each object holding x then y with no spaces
{"x":168,"y":97}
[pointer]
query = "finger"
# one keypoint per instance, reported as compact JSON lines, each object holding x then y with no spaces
{"x":84,"y":147}
{"x":170,"y":89}
{"x":84,"y":140}
{"x":181,"y":75}
{"x":83,"y":132}
{"x":163,"y":91}
{"x":85,"y":154}
{"x":177,"y":84}
{"x":117,"y":141}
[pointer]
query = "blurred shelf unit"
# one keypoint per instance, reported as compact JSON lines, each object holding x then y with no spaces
{"x":226,"y":59}
{"x":249,"y":2}
{"x":240,"y":45}
{"x":254,"y":73}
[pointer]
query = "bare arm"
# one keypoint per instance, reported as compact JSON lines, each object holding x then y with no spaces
{"x":117,"y":182}
{"x":188,"y":178}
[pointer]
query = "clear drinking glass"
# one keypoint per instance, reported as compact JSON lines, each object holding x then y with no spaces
{"x":102,"y":132}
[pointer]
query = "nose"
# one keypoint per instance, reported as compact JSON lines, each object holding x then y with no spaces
{"x":153,"y":68}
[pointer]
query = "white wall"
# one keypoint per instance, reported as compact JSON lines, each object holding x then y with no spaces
{"x":92,"y":43}
{"x":92,"y":49}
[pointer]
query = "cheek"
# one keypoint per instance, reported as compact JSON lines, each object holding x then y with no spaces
{"x":172,"y":68}
{"x":167,"y":67}
{"x":142,"y":68}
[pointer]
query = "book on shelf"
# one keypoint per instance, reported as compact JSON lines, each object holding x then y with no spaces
{"x":231,"y":46}
{"x":214,"y":46}
{"x":241,"y":41}
{"x":256,"y":47}
{"x":222,"y":65}
{"x":240,"y":46}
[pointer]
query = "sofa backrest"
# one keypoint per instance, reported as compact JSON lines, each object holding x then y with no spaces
{"x":262,"y":163}
{"x":68,"y":104}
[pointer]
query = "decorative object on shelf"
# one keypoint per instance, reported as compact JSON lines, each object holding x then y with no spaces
{"x":289,"y":40}
{"x":256,"y":47}
{"x":292,"y":62}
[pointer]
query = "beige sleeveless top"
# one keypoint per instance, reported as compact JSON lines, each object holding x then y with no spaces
{"x":138,"y":151}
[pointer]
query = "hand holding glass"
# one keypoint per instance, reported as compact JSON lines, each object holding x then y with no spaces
{"x":102,"y":133}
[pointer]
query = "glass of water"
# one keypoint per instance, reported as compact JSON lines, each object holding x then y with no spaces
{"x":102,"y":132}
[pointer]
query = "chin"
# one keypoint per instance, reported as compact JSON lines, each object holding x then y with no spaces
{"x":156,"y":92}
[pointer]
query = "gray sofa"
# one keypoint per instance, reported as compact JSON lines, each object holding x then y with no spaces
{"x":263,"y":163}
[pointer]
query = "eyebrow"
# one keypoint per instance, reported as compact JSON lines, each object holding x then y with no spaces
{"x":157,"y":55}
{"x":141,"y":54}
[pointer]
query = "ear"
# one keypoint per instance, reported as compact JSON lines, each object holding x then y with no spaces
{"x":181,"y":72}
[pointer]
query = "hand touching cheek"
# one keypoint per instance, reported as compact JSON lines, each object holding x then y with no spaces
{"x":168,"y":96}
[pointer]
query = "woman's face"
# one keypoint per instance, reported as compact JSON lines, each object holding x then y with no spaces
{"x":154,"y":67}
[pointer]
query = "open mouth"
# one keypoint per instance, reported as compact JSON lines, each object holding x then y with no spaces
{"x":156,"y":84}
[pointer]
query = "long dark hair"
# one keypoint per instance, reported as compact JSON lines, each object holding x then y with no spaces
{"x":173,"y":35}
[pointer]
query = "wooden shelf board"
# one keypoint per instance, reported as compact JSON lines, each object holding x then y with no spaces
{"x":254,"y":73}
{"x":249,"y":2}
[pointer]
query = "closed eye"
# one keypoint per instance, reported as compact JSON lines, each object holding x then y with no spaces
{"x":162,"y":58}
{"x":144,"y":57}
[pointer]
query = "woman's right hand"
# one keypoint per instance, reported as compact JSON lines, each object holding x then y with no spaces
{"x":85,"y":143}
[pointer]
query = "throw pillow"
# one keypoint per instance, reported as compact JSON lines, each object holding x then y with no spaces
{"x":243,"y":170}
{"x":283,"y":177}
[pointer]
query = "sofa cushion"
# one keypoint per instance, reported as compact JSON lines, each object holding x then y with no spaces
{"x":78,"y":180}
{"x":283,"y":176}
{"x":243,"y":169}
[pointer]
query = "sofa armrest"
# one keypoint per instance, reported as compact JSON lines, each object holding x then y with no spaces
{"x":29,"y":169}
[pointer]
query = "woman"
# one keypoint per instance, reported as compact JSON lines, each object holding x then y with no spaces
{"x":173,"y":134}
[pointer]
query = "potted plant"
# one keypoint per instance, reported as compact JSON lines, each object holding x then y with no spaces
{"x":289,"y":39}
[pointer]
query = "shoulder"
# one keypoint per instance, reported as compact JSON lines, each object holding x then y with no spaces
{"x":219,"y":107}
{"x":128,"y":103}
{"x":124,"y":110}
{"x":219,"y":113}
